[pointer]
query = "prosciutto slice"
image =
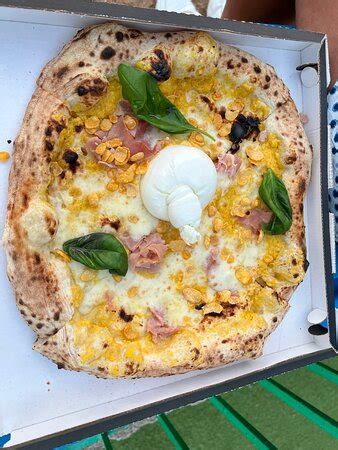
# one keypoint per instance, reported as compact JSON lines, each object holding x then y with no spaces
{"x":147,"y":253}
{"x":123,"y":107}
{"x":255,"y":219}
{"x":119,"y":130}
{"x":157,"y":326}
{"x":229,"y":164}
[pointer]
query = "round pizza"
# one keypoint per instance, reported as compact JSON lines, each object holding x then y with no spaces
{"x":155,"y":212}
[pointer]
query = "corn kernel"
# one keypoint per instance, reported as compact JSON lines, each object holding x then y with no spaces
{"x":107,"y":155}
{"x":260,"y":236}
{"x":236,"y":105}
{"x":113,"y":118}
{"x":193,"y":296}
{"x":254,"y":154}
{"x":224,"y":130}
{"x":212,"y":307}
{"x":122,"y":189}
{"x":186,"y":254}
{"x":130,"y":122}
{"x":274,"y":142}
{"x":4,"y":156}
{"x":142,"y":168}
{"x":132,"y":291}
{"x":244,"y":177}
{"x":112,"y":186}
{"x":177,"y":246}
{"x":77,"y":294}
{"x":105,"y":125}
{"x":238,"y":211}
{"x":127,"y":176}
{"x":87,"y":275}
{"x":133,"y":218}
{"x":248,"y":88}
{"x":245,"y":201}
{"x":212,"y":210}
{"x":93,"y":200}
{"x":116,"y":277}
{"x":230,"y":259}
{"x":121,"y":155}
{"x":113,"y":143}
{"x":267,"y":259}
{"x":137,"y":156}
{"x":196,"y":138}
{"x":224,"y":254}
{"x":243,"y":275}
{"x":206,"y":242}
{"x":92,"y":122}
{"x":111,"y":173}
{"x":231,"y":115}
{"x":91,"y":130}
{"x":62,"y":255}
{"x":223,"y":296}
{"x":217,"y":224}
{"x":162,"y":226}
{"x":217,"y":121}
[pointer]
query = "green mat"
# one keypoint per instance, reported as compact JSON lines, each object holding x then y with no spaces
{"x":296,"y":410}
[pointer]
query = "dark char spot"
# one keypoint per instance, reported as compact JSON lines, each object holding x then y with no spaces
{"x":119,"y":36}
{"x":49,"y":146}
{"x":81,"y":90}
{"x":71,"y":159}
{"x":124,"y":316}
{"x":107,"y":53}
{"x":161,"y":69}
{"x":61,"y":71}
{"x":48,"y":131}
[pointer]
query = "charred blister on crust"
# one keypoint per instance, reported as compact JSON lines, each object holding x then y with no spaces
{"x":107,"y":53}
{"x":157,"y":63}
{"x":91,"y":90}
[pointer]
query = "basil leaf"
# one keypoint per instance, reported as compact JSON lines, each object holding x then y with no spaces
{"x":98,"y":251}
{"x":275,"y":195}
{"x":148,"y":103}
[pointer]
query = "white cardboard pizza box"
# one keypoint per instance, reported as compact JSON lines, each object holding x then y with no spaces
{"x":36,"y":399}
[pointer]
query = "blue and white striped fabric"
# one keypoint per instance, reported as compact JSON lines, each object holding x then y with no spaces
{"x":333,"y":122}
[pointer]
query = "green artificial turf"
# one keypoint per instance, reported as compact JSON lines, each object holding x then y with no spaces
{"x":296,"y":410}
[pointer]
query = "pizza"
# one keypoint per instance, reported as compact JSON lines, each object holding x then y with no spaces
{"x":155,"y":210}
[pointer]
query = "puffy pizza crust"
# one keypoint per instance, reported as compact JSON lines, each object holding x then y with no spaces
{"x":79,"y":74}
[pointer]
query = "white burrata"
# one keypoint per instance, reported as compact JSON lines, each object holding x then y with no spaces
{"x":180,"y":181}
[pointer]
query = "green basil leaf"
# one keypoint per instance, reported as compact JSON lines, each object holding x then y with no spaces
{"x":98,"y":251}
{"x":275,"y":195}
{"x":148,"y":103}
